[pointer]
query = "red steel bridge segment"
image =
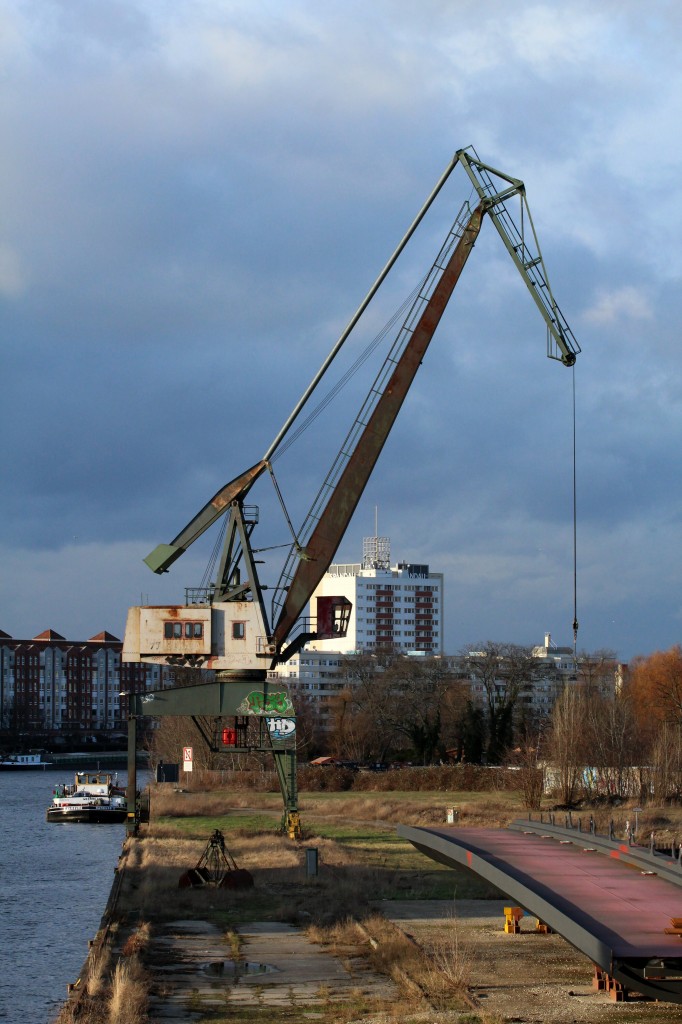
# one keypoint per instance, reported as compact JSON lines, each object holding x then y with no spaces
{"x":617,"y":914}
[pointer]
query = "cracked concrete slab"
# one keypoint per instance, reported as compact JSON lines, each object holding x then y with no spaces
{"x":193,"y":970}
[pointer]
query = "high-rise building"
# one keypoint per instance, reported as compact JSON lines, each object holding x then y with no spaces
{"x":397,"y":607}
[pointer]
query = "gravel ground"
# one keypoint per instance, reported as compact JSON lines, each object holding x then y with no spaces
{"x":528,"y":978}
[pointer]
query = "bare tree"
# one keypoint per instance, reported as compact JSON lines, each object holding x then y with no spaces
{"x":667,"y":762}
{"x":611,"y":737}
{"x":353,"y":736}
{"x":417,"y":689}
{"x":527,"y":758}
{"x":566,"y":747}
{"x":368,"y":717}
{"x":503,"y":672}
{"x":597,"y":672}
{"x":394,"y":704}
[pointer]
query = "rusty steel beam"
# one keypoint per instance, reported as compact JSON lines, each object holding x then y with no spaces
{"x":330,"y":528}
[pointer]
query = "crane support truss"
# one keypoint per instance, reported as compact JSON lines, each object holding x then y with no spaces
{"x":619,"y":918}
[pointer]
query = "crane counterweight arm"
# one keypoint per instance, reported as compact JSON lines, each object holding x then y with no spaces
{"x":347,"y":490}
{"x":163,"y":556}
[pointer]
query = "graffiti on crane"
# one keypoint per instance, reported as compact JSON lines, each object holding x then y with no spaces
{"x":271,"y":704}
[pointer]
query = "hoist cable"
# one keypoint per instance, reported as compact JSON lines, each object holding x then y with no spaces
{"x":206,"y":579}
{"x":575,"y":533}
{"x":350,"y":373}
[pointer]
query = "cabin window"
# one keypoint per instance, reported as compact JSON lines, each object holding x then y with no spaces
{"x":178,"y":630}
{"x":238,"y":630}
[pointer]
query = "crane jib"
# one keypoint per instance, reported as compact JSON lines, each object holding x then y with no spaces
{"x":331,"y":526}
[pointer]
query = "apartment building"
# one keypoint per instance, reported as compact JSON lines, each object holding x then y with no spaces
{"x":397,"y":607}
{"x":51,"y":684}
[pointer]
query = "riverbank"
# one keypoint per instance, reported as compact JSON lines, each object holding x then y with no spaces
{"x":378,"y":934}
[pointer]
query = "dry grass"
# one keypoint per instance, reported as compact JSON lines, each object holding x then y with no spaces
{"x":360,"y":860}
{"x":492,"y":809}
{"x":428,"y":809}
{"x":99,"y":969}
{"x":115,"y":990}
{"x":128,"y":999}
{"x":450,"y":958}
{"x":435,"y":977}
{"x":166,"y":802}
{"x":138,"y":941}
{"x":282,"y":890}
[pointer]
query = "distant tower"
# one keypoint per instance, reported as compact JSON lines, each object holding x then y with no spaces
{"x":376,"y":553}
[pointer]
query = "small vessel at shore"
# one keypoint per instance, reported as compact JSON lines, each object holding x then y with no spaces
{"x":23,"y":762}
{"x":95,"y":798}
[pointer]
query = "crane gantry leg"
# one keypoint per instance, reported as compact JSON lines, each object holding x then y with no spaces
{"x":211,"y":706}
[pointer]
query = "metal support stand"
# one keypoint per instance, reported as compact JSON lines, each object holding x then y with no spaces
{"x":603,"y":982}
{"x":512,"y":918}
{"x":209,"y":705}
{"x":132,"y":821}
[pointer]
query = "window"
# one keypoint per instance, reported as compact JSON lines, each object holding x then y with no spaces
{"x":238,"y":630}
{"x":176,"y":630}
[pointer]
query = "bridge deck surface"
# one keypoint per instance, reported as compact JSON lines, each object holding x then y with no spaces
{"x":621,"y":906}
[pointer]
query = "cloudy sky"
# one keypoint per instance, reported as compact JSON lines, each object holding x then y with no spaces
{"x":196,"y":195}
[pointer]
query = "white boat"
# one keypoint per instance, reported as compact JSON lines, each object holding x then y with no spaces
{"x":18,"y":762}
{"x":94,"y":798}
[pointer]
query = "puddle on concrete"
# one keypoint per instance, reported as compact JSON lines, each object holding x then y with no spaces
{"x":241,"y":969}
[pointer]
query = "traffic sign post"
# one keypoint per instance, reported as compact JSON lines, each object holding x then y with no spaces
{"x":187,"y":757}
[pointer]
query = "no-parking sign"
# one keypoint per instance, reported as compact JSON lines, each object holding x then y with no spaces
{"x":187,"y":757}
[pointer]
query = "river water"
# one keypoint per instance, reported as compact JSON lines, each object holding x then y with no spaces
{"x":54,"y":884}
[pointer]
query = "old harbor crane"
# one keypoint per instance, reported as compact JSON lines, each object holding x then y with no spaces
{"x":226,"y":628}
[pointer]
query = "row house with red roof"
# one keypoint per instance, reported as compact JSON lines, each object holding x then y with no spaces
{"x":51,"y":684}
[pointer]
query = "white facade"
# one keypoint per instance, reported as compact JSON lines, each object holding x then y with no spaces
{"x":315,"y":675}
{"x":396,"y":607}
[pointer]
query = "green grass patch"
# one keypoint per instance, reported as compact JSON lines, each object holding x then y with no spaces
{"x":402,"y":871}
{"x":201,"y":826}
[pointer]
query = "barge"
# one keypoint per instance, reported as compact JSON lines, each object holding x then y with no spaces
{"x":95,"y":798}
